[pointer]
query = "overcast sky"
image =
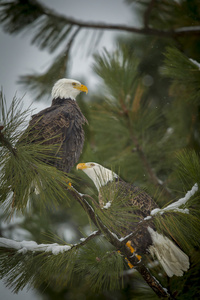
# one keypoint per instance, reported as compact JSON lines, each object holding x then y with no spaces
{"x":18,"y":57}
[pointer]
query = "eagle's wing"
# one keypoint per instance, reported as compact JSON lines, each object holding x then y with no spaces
{"x":136,"y":196}
{"x":131,"y":196}
{"x":142,"y":200}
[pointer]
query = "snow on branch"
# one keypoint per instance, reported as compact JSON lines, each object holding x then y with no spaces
{"x":91,"y":236}
{"x":187,"y":29}
{"x":175,"y":206}
{"x":24,"y":246}
{"x":196,"y":63}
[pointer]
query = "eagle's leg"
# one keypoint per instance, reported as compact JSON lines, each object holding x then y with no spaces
{"x":128,"y":244}
{"x":69,"y":184}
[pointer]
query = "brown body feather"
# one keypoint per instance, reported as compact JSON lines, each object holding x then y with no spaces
{"x":136,"y":197}
{"x":59,"y":125}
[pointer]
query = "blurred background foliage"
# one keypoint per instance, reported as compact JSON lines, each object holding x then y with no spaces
{"x":144,"y":123}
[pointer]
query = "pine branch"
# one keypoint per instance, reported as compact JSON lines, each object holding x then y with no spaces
{"x":173,"y":33}
{"x":185,"y":72}
{"x":24,"y":246}
{"x":16,"y":13}
{"x":172,"y":208}
{"x":175,"y":205}
{"x":154,"y":179}
{"x":41,"y":84}
{"x":24,"y":174}
{"x":84,"y":241}
{"x":121,"y":245}
{"x":119,"y":71}
{"x":189,"y":167}
{"x":25,"y":267}
{"x":95,"y":219}
{"x":6,"y":143}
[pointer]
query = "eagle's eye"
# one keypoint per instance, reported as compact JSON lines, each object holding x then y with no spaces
{"x":73,"y":83}
{"x":92,"y":165}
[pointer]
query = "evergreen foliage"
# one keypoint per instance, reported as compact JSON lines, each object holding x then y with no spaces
{"x":185,"y":74}
{"x":146,"y":129}
{"x":22,"y":170}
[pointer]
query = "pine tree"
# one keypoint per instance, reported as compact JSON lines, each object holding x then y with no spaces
{"x":146,"y":129}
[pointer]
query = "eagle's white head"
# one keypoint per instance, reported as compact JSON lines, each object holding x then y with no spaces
{"x":67,"y":88}
{"x":97,"y":173}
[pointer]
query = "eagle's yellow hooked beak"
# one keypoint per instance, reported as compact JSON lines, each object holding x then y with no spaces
{"x":81,"y":166}
{"x":82,"y":88}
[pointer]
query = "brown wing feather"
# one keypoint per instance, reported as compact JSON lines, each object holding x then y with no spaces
{"x":141,"y":200}
{"x":60,"y":125}
{"x":137,"y":196}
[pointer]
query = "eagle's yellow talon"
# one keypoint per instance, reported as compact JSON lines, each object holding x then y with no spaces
{"x":128,"y":244}
{"x":69,"y":184}
{"x":129,"y":264}
{"x":138,"y":256}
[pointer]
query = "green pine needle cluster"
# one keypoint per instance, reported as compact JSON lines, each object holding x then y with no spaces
{"x":88,"y":263}
{"x":185,"y":74}
{"x":49,"y":30}
{"x":13,"y":118}
{"x":112,"y":67}
{"x":184,"y":228}
{"x":23,"y":171}
{"x":16,"y":15}
{"x":188,"y":166}
{"x":101,"y":266}
{"x":33,"y":269}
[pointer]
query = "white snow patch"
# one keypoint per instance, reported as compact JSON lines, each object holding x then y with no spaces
{"x":196,"y":63}
{"x":189,"y":28}
{"x":153,"y":264}
{"x":123,"y":238}
{"x":93,"y":233}
{"x":147,"y":218}
{"x":160,"y":181}
{"x":84,"y":239}
{"x":32,"y":246}
{"x":175,"y":206}
{"x":167,"y":135}
{"x":108,"y":204}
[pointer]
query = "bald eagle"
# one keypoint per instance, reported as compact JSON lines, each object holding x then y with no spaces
{"x":60,"y":125}
{"x":173,"y":260}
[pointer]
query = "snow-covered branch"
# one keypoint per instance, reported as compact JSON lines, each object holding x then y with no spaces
{"x":87,"y":239}
{"x":175,"y":206}
{"x":196,"y":63}
{"x":25,"y":246}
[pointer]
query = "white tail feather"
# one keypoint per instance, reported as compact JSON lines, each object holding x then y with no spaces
{"x":173,"y":260}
